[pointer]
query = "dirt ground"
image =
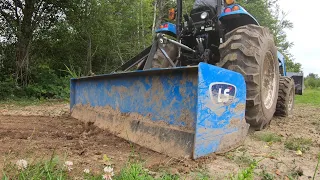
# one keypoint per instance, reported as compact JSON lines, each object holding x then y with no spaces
{"x":36,"y":132}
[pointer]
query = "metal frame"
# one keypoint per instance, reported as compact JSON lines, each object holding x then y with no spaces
{"x":148,"y":54}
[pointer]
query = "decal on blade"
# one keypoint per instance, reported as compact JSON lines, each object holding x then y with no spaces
{"x":222,"y":92}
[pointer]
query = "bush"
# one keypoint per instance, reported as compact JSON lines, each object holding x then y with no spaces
{"x":7,"y":88}
{"x":312,"y":81}
{"x":46,"y":84}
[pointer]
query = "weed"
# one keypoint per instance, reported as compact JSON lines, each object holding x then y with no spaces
{"x":295,"y":173}
{"x":167,"y":176}
{"x":268,"y":137}
{"x":72,"y":72}
{"x":243,"y":159}
{"x":246,"y":174}
{"x":317,"y":167}
{"x":42,"y":170}
{"x":201,"y":175}
{"x":133,"y":171}
{"x":267,"y":176}
{"x":296,"y":144}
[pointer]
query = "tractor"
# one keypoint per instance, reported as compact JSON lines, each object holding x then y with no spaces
{"x":197,"y":89}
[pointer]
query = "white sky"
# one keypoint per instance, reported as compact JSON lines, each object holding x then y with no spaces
{"x":305,"y":34}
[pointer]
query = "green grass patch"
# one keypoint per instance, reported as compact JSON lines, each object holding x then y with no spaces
{"x":296,"y":144}
{"x":246,"y":174}
{"x":56,"y":169}
{"x":266,"y":175}
{"x":310,"y":96}
{"x":22,"y":102}
{"x":136,"y":171}
{"x":241,"y":158}
{"x":51,"y":169}
{"x":267,"y":137}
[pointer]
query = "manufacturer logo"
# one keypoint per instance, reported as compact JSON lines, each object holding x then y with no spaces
{"x":222,"y":92}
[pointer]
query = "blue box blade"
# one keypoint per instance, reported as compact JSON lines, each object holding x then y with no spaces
{"x":220,"y":124}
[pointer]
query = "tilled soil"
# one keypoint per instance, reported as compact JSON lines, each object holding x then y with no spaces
{"x":38,"y":132}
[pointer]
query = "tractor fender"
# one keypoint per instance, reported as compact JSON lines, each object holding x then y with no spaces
{"x":237,"y":18}
{"x":168,"y":29}
{"x":282,"y":64}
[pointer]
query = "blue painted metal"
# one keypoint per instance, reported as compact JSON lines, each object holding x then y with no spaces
{"x":282,"y":63}
{"x":241,"y":11}
{"x":140,"y":93}
{"x":171,"y":28}
{"x":183,"y":98}
{"x":216,"y":119}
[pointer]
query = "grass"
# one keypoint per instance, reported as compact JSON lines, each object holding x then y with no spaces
{"x":51,"y":169}
{"x":55,"y":169}
{"x":296,"y":144}
{"x":22,"y":102}
{"x":266,"y":176}
{"x":310,"y":96}
{"x":267,"y":137}
{"x":241,"y":158}
{"x":247,"y":173}
{"x":317,"y":167}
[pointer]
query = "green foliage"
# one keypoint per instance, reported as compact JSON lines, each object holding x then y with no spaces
{"x":310,"y":96}
{"x":51,"y":169}
{"x":47,"y":84}
{"x":133,"y":171}
{"x":201,"y":175}
{"x":7,"y":88}
{"x":246,"y":174}
{"x":267,"y":176}
{"x":296,"y":144}
{"x":312,"y":81}
{"x":268,"y":137}
{"x":77,"y":37}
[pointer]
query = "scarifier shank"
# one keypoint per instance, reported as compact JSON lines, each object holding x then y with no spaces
{"x":181,"y":112}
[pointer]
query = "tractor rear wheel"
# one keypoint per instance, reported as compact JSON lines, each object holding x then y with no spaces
{"x":159,"y":60}
{"x":285,"y":97}
{"x":251,"y":51}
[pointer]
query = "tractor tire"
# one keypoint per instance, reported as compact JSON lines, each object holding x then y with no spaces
{"x":159,"y":60}
{"x":251,"y":51}
{"x":286,"y":94}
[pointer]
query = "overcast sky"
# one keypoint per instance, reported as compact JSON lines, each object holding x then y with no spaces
{"x":305,"y":34}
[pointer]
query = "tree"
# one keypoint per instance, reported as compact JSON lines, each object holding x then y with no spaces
{"x":21,"y":22}
{"x":269,"y":14}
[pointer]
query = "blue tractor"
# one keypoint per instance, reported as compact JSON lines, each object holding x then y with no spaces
{"x":224,"y":34}
{"x":196,"y":89}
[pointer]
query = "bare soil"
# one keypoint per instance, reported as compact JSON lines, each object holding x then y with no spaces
{"x":36,"y":132}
